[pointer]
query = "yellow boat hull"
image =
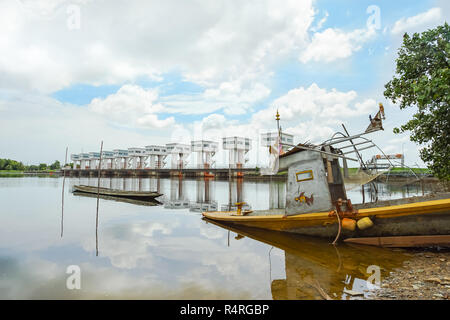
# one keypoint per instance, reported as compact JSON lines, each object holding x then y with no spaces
{"x":420,"y":218}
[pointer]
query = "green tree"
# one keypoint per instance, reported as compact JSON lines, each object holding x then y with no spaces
{"x":3,"y":164}
{"x":42,"y":166}
{"x":55,"y":165}
{"x":8,"y":164}
{"x":422,"y":81}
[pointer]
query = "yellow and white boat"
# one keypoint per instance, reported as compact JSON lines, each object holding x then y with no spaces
{"x":317,"y":204}
{"x":429,"y":215}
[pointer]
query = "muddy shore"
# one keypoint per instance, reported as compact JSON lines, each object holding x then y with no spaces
{"x":426,"y":276}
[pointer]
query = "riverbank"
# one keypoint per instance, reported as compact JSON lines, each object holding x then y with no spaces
{"x":426,"y":276}
{"x":20,"y":173}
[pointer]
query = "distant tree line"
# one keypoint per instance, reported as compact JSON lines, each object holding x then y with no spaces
{"x":8,"y":164}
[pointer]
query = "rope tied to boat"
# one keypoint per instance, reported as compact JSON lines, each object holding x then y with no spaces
{"x":341,"y":213}
{"x":334,"y":212}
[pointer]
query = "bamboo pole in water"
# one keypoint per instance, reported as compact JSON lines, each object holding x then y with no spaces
{"x":98,"y":195}
{"x":62,"y":196}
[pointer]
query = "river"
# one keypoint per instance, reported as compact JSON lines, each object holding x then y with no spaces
{"x":168,"y":251}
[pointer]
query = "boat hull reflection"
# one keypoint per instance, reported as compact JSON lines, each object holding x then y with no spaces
{"x":312,"y":264}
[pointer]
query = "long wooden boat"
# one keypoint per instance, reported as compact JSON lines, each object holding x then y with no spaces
{"x":403,"y":241}
{"x":117,"y":193}
{"x":141,"y":202}
{"x":317,"y":203}
{"x":409,"y":217}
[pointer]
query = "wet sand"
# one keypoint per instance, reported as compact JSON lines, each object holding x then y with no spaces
{"x":426,"y":276}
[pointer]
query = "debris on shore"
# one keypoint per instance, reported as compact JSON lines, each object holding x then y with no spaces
{"x":426,"y":276}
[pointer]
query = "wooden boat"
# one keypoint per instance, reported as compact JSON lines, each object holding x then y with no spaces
{"x":317,"y":204}
{"x":431,"y":217}
{"x":403,"y":241}
{"x":137,"y":195}
{"x":146,"y":202}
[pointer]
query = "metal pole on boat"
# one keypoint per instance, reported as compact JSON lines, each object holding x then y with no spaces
{"x":98,"y":195}
{"x":363,"y":165}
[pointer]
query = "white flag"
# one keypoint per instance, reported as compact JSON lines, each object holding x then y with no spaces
{"x":275,"y":151}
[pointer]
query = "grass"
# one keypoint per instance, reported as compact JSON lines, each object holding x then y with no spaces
{"x":415,"y":170}
{"x":11,"y":173}
{"x":20,"y":173}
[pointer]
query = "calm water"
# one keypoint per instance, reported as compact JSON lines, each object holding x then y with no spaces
{"x":168,"y":251}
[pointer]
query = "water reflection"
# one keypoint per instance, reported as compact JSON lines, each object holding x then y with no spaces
{"x":177,"y":199}
{"x":203,"y":194}
{"x":277,"y":195}
{"x":204,"y":200}
{"x":312,"y":264}
{"x":236,"y":194}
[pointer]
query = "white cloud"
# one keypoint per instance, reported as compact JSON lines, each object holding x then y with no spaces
{"x":228,"y":47}
{"x":208,"y":42}
{"x":213,"y":121}
{"x":312,"y":114}
{"x":233,"y":97}
{"x":426,"y":19}
{"x":132,"y":105}
{"x":152,"y":121}
{"x":333,"y":44}
{"x":315,"y":102}
{"x":42,"y":127}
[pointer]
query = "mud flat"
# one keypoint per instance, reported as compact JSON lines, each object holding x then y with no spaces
{"x":426,"y":276}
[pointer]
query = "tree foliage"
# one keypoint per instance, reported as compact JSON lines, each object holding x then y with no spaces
{"x":8,"y":164}
{"x":422,"y":81}
{"x":55,"y":165}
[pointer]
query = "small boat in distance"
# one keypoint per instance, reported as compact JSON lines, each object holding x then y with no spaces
{"x":146,"y":202}
{"x":137,"y":195}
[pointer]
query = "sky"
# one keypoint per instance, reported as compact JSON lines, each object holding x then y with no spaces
{"x":136,"y":73}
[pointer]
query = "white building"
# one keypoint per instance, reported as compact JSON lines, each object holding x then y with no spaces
{"x":136,"y":158}
{"x":238,"y":148}
{"x":179,"y":154}
{"x":84,"y":161}
{"x":107,"y":159}
{"x":76,"y":159}
{"x":269,"y":139}
{"x":120,"y":159}
{"x":94,"y":159}
{"x":156,"y":156}
{"x":205,"y":152}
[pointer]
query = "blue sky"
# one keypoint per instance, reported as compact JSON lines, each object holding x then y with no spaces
{"x":358,"y":72}
{"x":137,"y":73}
